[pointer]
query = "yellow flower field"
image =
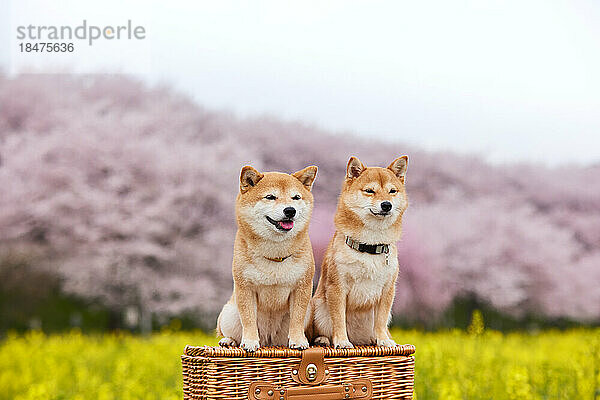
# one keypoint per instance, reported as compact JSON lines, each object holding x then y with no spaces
{"x":450,"y":365}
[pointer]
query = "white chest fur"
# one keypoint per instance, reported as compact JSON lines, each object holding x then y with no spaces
{"x":274,"y":281}
{"x":267,"y":273}
{"x":365,"y":275}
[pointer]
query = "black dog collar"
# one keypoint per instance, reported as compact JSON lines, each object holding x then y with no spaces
{"x":367,"y":248}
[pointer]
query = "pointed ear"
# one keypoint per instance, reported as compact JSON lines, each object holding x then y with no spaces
{"x":399,"y":167}
{"x":354,"y":168}
{"x":249,"y":177}
{"x":306,"y":176}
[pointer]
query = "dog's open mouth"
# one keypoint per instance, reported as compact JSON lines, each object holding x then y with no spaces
{"x":380,"y":214}
{"x":283,"y":225}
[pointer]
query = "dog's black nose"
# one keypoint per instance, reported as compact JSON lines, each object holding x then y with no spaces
{"x":386,"y":206}
{"x":289,"y":212}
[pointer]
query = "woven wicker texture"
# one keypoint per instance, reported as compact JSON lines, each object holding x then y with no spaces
{"x":226,"y":373}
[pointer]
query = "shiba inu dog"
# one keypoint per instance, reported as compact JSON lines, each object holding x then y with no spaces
{"x":273,"y":264}
{"x":354,"y":297}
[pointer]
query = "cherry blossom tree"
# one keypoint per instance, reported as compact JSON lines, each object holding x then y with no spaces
{"x":126,"y":193}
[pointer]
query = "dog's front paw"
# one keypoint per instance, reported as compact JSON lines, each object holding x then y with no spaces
{"x":227,"y":342}
{"x":299,"y":344}
{"x":250,"y":345}
{"x":342,"y":344}
{"x":386,"y":342}
{"x":322,"y":341}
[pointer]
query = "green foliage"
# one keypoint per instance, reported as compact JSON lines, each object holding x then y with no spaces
{"x":450,"y":365}
{"x":32,"y":298}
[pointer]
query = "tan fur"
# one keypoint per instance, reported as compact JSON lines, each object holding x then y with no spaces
{"x":354,"y":297}
{"x":270,"y":299}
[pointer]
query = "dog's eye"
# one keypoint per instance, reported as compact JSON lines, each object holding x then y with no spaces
{"x":270,"y":197}
{"x":296,"y":197}
{"x":393,"y":191}
{"x":370,"y":191}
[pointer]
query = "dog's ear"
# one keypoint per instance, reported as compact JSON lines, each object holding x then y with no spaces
{"x":354,"y":168}
{"x":399,"y":167}
{"x":306,"y":176}
{"x":249,"y":177}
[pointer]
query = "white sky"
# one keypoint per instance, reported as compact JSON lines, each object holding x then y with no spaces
{"x":511,"y":80}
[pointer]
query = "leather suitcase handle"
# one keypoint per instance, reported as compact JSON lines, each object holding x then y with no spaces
{"x":357,"y":389}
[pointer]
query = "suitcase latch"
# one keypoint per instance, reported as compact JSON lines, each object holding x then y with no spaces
{"x":312,"y":369}
{"x":311,"y":372}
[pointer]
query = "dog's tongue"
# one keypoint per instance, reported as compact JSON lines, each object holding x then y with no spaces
{"x":287,"y":224}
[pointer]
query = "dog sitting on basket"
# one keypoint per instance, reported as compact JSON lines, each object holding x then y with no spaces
{"x":273,"y":264}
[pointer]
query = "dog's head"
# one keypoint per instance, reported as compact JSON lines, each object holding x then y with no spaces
{"x":376,"y":196}
{"x":274,"y":205}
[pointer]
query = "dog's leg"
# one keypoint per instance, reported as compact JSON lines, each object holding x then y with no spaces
{"x":309,"y":331}
{"x":336,"y":302}
{"x":382,"y":316}
{"x":246,"y":303}
{"x":319,"y":329}
{"x":298,"y":308}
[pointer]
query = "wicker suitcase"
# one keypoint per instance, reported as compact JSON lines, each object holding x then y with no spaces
{"x":317,"y":373}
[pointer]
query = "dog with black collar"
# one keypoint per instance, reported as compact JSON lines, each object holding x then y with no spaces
{"x":353,"y":301}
